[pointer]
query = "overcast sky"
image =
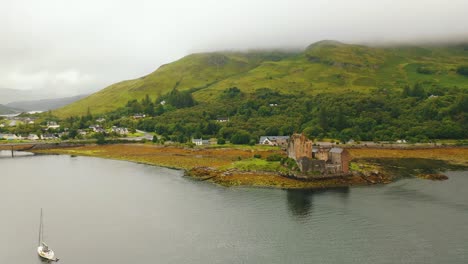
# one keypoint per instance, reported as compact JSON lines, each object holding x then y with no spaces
{"x":65,"y":47}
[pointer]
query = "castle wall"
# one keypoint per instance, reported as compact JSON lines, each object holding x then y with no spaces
{"x":299,"y":146}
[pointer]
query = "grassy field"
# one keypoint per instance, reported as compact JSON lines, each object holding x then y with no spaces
{"x":168,"y":156}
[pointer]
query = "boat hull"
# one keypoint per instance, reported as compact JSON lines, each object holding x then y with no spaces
{"x":49,"y":255}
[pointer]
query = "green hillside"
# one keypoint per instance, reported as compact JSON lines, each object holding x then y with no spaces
{"x":330,"y":89}
{"x":194,"y":72}
{"x":326,"y":66}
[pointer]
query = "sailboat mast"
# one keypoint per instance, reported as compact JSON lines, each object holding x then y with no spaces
{"x":40,"y":229}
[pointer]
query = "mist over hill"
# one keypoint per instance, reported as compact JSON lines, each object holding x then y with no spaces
{"x":10,"y":95}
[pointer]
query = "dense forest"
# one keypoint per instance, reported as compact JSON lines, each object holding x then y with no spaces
{"x":420,"y":113}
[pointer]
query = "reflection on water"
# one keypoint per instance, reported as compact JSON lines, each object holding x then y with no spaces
{"x":300,"y":202}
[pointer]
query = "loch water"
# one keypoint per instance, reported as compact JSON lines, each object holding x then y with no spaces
{"x":111,"y":212}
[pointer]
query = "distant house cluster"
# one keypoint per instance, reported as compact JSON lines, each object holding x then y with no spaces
{"x":120,"y":130}
{"x":326,"y":161}
{"x":14,"y":121}
{"x":28,"y":137}
{"x":51,"y":130}
{"x":97,"y":129}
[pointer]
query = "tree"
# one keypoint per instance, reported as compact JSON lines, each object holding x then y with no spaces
{"x":72,"y":133}
{"x":463,"y":70}
{"x":240,"y":137}
{"x":323,"y":118}
{"x":312,"y":132}
{"x":180,"y":99}
{"x":100,"y":139}
{"x":89,"y":116}
{"x":340,"y":119}
{"x":155,"y":139}
{"x":230,"y":93}
{"x":272,"y":131}
{"x":418,"y":90}
{"x":264,"y":111}
{"x":406,"y":91}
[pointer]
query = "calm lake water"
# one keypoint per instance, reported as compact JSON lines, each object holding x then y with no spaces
{"x":111,"y":212}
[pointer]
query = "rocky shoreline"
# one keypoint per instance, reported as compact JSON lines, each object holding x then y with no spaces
{"x":218,"y":165}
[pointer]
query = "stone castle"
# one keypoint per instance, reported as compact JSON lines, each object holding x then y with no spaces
{"x":323,"y":161}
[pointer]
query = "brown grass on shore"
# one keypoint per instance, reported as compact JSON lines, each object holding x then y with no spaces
{"x":167,"y":156}
{"x":454,"y":155}
{"x":215,"y":159}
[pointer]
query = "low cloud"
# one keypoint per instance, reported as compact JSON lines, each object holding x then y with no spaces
{"x":57,"y":83}
{"x":74,"y":47}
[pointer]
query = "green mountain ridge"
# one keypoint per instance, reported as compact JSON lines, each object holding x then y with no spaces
{"x":6,"y":110}
{"x":193,"y":72}
{"x":323,"y":67}
{"x":329,"y":90}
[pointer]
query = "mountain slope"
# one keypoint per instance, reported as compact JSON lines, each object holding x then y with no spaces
{"x":196,"y":71}
{"x":5,"y":110}
{"x":326,"y":66}
{"x":44,"y":104}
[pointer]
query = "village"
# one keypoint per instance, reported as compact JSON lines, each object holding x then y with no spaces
{"x":14,"y":127}
{"x":313,"y":159}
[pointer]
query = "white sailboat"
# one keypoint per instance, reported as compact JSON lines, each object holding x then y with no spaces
{"x":43,"y":250}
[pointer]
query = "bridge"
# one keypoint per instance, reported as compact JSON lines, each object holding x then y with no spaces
{"x":19,"y":147}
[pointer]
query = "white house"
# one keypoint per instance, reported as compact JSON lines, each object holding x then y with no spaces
{"x":11,"y":137}
{"x":48,"y":136}
{"x":199,"y":141}
{"x":274,"y":140}
{"x":222,"y":119}
{"x":53,"y":125}
{"x":120,"y":130}
{"x":33,"y":137}
{"x":82,"y":132}
{"x":97,"y":129}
